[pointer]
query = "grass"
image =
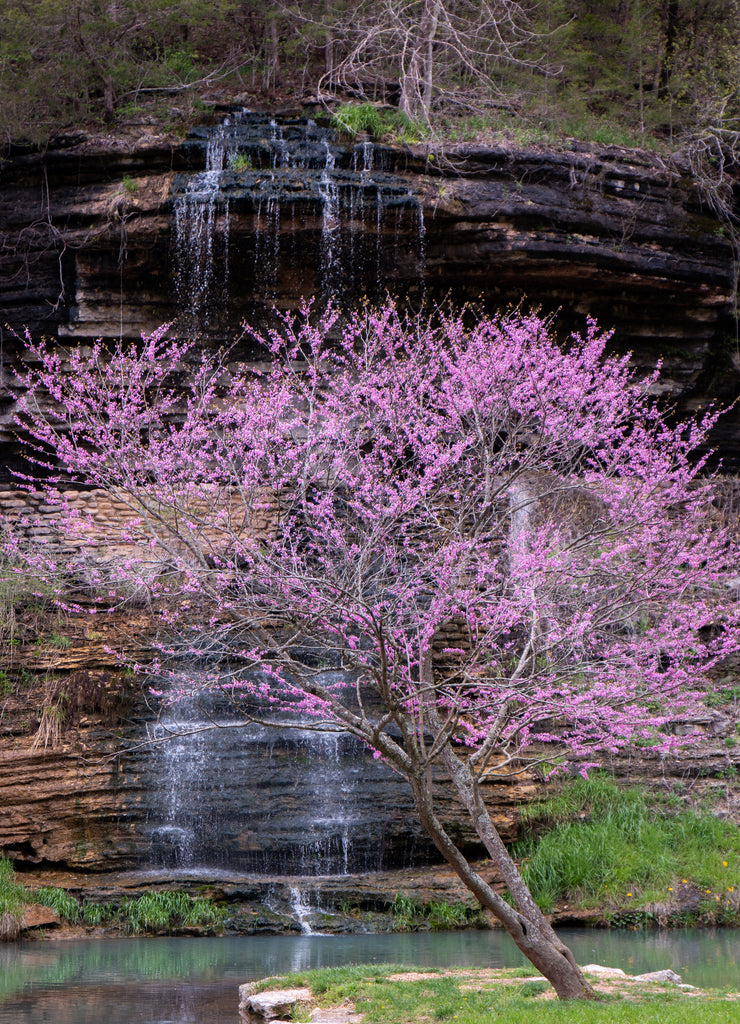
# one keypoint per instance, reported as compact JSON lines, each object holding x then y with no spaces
{"x":381,"y":123}
{"x":169,"y":911}
{"x":165,"y":911}
{"x":537,"y":129}
{"x":12,"y":901}
{"x":60,"y":901}
{"x":603,"y":845}
{"x":503,"y":997}
{"x":437,"y":915}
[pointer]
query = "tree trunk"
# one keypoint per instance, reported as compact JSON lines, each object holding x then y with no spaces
{"x":526,"y":924}
{"x":417,"y":77}
{"x":108,"y":100}
{"x":272,"y":75}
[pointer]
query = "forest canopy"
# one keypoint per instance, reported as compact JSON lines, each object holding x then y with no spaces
{"x":616,"y":70}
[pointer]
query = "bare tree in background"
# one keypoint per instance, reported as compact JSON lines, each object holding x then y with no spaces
{"x":419,"y":52}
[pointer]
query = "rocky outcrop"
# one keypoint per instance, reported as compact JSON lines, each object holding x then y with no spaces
{"x":91,"y":247}
{"x":122,"y":785}
{"x":110,"y":792}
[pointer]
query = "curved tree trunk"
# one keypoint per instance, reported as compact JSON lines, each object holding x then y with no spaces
{"x":526,"y":924}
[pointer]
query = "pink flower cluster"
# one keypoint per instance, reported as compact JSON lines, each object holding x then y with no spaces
{"x":503,"y":541}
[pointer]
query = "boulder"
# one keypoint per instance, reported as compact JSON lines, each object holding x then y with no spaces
{"x":660,"y":976}
{"x":267,"y":1006}
{"x":36,"y":916}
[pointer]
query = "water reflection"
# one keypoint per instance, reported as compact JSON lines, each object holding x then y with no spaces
{"x":195,"y":981}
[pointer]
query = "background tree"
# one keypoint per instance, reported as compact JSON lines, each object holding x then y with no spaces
{"x":61,"y":61}
{"x":626,"y":69}
{"x":419,"y":53}
{"x":505,"y":546}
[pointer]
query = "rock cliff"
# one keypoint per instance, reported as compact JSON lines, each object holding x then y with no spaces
{"x":112,"y":236}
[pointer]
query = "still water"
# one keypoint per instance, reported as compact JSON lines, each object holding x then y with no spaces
{"x":195,"y":981}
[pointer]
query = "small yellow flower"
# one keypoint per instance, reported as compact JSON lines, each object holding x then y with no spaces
{"x":724,"y":863}
{"x":684,"y":880}
{"x":730,"y":888}
{"x":670,"y":888}
{"x":707,"y":890}
{"x":629,"y":893}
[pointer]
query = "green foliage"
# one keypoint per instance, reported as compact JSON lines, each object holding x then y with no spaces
{"x":96,"y":914}
{"x":241,"y":162}
{"x":728,"y":693}
{"x":153,"y":912}
{"x":19,"y":591}
{"x":383,"y":124}
{"x":66,"y":62}
{"x":12,"y":900}
{"x":59,"y":900}
{"x":409,"y":914}
{"x":333,"y":984}
{"x":619,"y":71}
{"x":168,"y":911}
{"x":606,"y":844}
{"x":130,"y":185}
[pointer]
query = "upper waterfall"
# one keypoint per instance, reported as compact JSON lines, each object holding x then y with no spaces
{"x":340,"y":215}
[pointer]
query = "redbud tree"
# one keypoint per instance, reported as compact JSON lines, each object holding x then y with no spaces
{"x":504,"y":543}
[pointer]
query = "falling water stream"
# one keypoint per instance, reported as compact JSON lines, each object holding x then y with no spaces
{"x":298,"y":198}
{"x":290,"y":800}
{"x":264,"y":197}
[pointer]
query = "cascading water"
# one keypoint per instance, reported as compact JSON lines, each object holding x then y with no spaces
{"x":284,"y":208}
{"x":274,"y":210}
{"x":252,"y":798}
{"x":201,"y":216}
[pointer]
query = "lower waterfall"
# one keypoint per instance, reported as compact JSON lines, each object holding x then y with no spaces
{"x":293,"y":800}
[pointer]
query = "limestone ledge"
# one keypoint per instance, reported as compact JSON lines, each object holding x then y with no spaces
{"x":88,"y":236}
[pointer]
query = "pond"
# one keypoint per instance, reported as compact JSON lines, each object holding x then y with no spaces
{"x":195,"y":980}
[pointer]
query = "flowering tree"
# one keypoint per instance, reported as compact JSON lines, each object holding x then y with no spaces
{"x":505,"y":544}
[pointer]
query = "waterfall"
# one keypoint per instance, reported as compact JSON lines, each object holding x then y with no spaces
{"x":287,"y":800}
{"x":266,"y":246}
{"x":202,"y":223}
{"x":301,"y":910}
{"x":223,"y":144}
{"x":283,"y":209}
{"x":330,"y":274}
{"x":201,"y":246}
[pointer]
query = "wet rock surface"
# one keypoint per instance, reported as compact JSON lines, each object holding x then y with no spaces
{"x":92,"y":235}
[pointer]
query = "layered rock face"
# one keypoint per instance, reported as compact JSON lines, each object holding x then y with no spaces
{"x":111,"y":237}
{"x":142,"y":791}
{"x":195,"y":791}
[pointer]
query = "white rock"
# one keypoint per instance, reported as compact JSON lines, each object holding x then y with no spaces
{"x":666,"y":975}
{"x":606,"y":972}
{"x":272,"y":1005}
